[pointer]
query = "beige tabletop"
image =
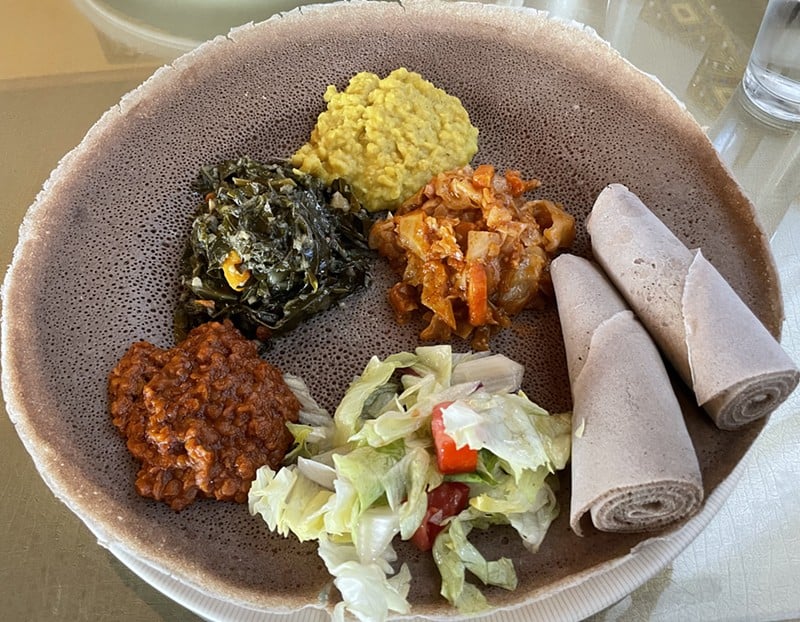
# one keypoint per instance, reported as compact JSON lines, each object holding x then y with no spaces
{"x":62,"y":64}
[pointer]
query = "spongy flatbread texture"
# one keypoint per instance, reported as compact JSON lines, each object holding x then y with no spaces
{"x":97,"y":263}
{"x":633,"y":464}
{"x":737,"y":370}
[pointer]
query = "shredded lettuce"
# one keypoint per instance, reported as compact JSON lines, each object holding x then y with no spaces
{"x":497,"y":373}
{"x":347,"y":417}
{"x":436,"y":361}
{"x":289,"y":502}
{"x":314,"y":433}
{"x":362,"y":477}
{"x":500,"y":423}
{"x":365,"y":468}
{"x":454,"y":555}
{"x":407,"y":486}
{"x":367,"y":591}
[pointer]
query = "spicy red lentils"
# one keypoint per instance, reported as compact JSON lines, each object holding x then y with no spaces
{"x":201,"y":417}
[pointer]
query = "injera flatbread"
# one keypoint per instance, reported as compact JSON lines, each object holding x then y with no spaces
{"x":737,"y":369}
{"x":633,"y":464}
{"x":97,"y":262}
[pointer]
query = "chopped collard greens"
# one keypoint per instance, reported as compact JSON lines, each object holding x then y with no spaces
{"x":270,"y":246}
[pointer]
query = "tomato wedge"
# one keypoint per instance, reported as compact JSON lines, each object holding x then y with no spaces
{"x":444,"y":501}
{"x":449,"y":458}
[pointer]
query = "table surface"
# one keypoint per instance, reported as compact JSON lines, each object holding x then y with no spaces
{"x":63,"y":64}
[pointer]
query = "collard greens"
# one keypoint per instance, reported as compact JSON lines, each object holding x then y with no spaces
{"x":269,"y":247}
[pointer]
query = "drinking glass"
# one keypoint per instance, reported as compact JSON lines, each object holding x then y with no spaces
{"x":772,"y":78}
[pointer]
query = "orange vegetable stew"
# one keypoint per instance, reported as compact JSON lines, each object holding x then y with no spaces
{"x":472,"y":252}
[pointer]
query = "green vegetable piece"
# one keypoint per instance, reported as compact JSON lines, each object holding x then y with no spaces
{"x":300,"y":246}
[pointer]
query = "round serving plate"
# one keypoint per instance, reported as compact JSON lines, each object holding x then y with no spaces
{"x":586,"y":594}
{"x":97,"y":263}
{"x":166,"y":29}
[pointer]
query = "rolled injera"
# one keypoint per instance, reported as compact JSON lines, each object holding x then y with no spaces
{"x":634,"y":467}
{"x":736,"y":368}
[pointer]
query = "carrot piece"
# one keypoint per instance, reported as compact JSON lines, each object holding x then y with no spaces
{"x":518,"y":186}
{"x":483,"y":175}
{"x":449,"y":458}
{"x":477,"y":294}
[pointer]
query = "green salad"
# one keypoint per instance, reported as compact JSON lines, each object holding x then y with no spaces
{"x":425,"y":446}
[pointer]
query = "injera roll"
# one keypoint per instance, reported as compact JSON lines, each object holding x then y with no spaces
{"x":736,"y":368}
{"x":634,"y":467}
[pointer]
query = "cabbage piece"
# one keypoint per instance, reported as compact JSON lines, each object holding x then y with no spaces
{"x":454,"y":555}
{"x":504,"y":424}
{"x":411,"y":423}
{"x":289,"y":502}
{"x":377,"y":373}
{"x":497,"y":373}
{"x":365,"y":469}
{"x":342,"y":510}
{"x":317,"y":471}
{"x":556,"y":433}
{"x":510,"y":494}
{"x":406,"y":486}
{"x":367,"y":592}
{"x":311,"y":413}
{"x":532,"y":525}
{"x":436,"y":361}
{"x":314,"y":432}
{"x":392,"y":426}
{"x":373,"y":536}
{"x":526,"y":503}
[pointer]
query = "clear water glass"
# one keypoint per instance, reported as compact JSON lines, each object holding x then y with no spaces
{"x":772,"y":78}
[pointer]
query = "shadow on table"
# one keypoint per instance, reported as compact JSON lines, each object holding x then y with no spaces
{"x":159,"y":604}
